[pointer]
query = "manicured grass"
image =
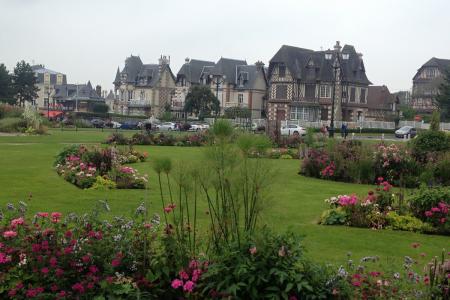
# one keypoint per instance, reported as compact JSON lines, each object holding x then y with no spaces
{"x":295,"y":202}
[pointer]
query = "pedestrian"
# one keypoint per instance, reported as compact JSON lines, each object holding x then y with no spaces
{"x":324,"y":130}
{"x":343,"y":130}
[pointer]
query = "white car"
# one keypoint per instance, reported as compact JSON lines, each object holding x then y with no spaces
{"x":195,"y":127}
{"x":115,"y":125}
{"x":293,"y":130}
{"x":167,"y":126}
{"x":204,"y":126}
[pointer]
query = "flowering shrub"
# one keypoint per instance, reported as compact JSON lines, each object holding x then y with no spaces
{"x":195,"y":140}
{"x":86,"y":168}
{"x":396,"y":164}
{"x":367,"y":281}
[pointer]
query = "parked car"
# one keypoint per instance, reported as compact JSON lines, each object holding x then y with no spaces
{"x":204,"y":126}
{"x":132,"y":124}
{"x":98,"y":123}
{"x":293,"y":130}
{"x":195,"y":127}
{"x":405,"y":131}
{"x":167,"y":126}
{"x":113,"y":124}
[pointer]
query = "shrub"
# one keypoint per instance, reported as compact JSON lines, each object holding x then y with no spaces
{"x":335,"y":216}
{"x":10,"y":111}
{"x":441,"y":170}
{"x":407,"y":223}
{"x":286,"y":156}
{"x":435,"y":121}
{"x":12,"y":124}
{"x":118,"y":139}
{"x":428,"y":142}
{"x":426,"y":198}
{"x":267,"y":266}
{"x":142,"y":139}
{"x":102,"y":183}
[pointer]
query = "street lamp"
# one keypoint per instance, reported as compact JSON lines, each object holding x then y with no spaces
{"x":219,"y":80}
{"x":49,"y":91}
{"x":336,"y":65}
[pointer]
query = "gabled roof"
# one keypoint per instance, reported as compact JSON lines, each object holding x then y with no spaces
{"x":110,"y":96}
{"x":379,"y":97}
{"x":141,"y":74}
{"x":440,"y":63}
{"x":309,"y":65}
{"x":74,"y":91}
{"x":227,"y":67}
{"x":248,"y":75}
{"x":192,"y":70}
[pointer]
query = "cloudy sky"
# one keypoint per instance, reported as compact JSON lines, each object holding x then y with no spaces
{"x":88,"y":39}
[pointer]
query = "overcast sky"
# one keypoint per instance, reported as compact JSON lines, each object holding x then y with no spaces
{"x":88,"y":39}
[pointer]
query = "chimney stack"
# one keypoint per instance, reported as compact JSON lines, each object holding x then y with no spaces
{"x":337,"y":47}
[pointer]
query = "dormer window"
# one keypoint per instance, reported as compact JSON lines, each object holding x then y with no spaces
{"x":430,"y":73}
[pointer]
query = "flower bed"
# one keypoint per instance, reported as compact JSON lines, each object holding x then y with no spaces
{"x":100,"y":167}
{"x":385,"y":208}
{"x":160,"y":139}
{"x":352,"y":161}
{"x":56,"y":256}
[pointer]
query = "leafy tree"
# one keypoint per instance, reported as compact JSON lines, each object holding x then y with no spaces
{"x":6,"y":88}
{"x":237,"y":112}
{"x":408,"y":112}
{"x":201,"y":101}
{"x":435,"y":121}
{"x":24,"y":83}
{"x":100,"y":108}
{"x":443,"y":98}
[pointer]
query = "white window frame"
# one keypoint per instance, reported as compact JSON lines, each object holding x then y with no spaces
{"x":325,"y":91}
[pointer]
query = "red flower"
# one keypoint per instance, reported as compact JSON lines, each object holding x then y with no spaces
{"x":59,"y":272}
{"x":44,"y":270}
{"x":53,"y":261}
{"x":93,"y":269}
{"x":78,"y":287}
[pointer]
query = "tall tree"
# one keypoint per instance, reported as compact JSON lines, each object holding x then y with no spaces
{"x":201,"y":101}
{"x":443,"y":98}
{"x":24,"y":83}
{"x":6,"y":88}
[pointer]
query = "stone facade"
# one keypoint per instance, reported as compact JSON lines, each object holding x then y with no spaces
{"x":45,"y":81}
{"x":143,"y":89}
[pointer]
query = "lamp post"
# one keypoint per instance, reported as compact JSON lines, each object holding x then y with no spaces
{"x":336,"y":65}
{"x":218,"y":81}
{"x":49,"y":91}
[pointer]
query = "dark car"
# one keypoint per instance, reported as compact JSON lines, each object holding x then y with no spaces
{"x":406,"y":131}
{"x":98,"y":123}
{"x":130,"y":125}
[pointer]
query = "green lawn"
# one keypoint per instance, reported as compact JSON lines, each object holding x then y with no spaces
{"x":296,"y":202}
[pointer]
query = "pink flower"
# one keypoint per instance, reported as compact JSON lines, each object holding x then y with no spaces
{"x":148,"y":225}
{"x":188,"y":286}
{"x":78,"y":287}
{"x":115,"y":262}
{"x":56,"y":216}
{"x":176,"y":283}
{"x":356,"y":283}
{"x":4,"y":258}
{"x":44,"y":270}
{"x":252,"y":250}
{"x":428,"y":213}
{"x":9,"y":234}
{"x":443,"y":220}
{"x":53,"y":261}
{"x":18,"y":221}
{"x":93,"y":269}
{"x":380,"y":179}
{"x":183,"y":275}
{"x":59,"y":272}
{"x":167,"y":209}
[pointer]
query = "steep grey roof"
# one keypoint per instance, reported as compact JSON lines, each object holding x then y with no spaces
{"x":69,"y":92}
{"x":110,"y":96}
{"x":227,"y":67}
{"x":310,"y":65}
{"x":440,"y":63}
{"x":117,"y":79}
{"x":133,"y":65}
{"x":192,"y":70}
{"x":141,"y":74}
{"x":39,"y":71}
{"x":379,"y":97}
{"x":246,"y":76}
